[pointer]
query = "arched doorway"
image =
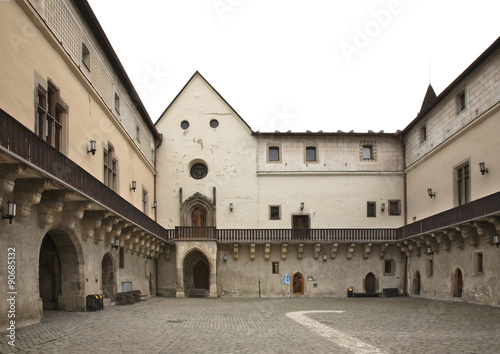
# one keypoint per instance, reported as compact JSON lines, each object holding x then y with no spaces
{"x":49,"y":273}
{"x":196,"y":274}
{"x":370,"y":287}
{"x":60,"y":272}
{"x":298,"y":284}
{"x":416,"y":283}
{"x":458,"y":283}
{"x":108,"y":277}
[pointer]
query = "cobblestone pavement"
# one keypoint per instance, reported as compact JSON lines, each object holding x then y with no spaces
{"x":230,"y":325}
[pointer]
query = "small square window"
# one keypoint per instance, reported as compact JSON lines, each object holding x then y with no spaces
{"x":138,"y":133}
{"x":274,"y":213}
{"x":460,"y":101}
{"x":423,"y":134}
{"x":274,"y":153}
{"x":311,"y":153}
{"x":370,"y":209}
{"x":276,"y":267}
{"x":394,"y":207}
{"x":367,"y":152}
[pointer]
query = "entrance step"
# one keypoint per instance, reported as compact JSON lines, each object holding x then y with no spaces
{"x":198,"y":293}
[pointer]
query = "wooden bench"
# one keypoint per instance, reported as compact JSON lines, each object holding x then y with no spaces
{"x":390,"y":292}
{"x":126,"y":298}
{"x":140,"y":296}
{"x":366,"y":294}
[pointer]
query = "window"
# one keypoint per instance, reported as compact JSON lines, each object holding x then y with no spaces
{"x":122,"y":257}
{"x":199,"y":171}
{"x":117,"y":103}
{"x":311,"y":153}
{"x":478,"y":263}
{"x":367,"y":152}
{"x":460,"y":101}
{"x":184,"y":124}
{"x":430,"y":267}
{"x":423,"y":134}
{"x":389,"y":267}
{"x":85,"y":56}
{"x":463,"y":184}
{"x":214,"y":123}
{"x":394,"y":207}
{"x":138,"y":133}
{"x":274,"y":213}
{"x":110,"y":167}
{"x":276,"y":268}
{"x":145,"y":201}
{"x":49,"y":116}
{"x":274,"y":153}
{"x":370,"y":209}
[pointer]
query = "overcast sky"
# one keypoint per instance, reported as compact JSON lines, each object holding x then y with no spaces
{"x":301,"y":65}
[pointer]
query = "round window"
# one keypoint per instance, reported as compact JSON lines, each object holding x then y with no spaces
{"x":184,"y":124}
{"x":214,"y":123}
{"x":199,"y":171}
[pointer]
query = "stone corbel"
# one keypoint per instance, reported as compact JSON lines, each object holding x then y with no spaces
{"x":456,"y":237}
{"x":300,"y":250}
{"x":486,"y":230}
{"x":73,"y":212}
{"x":432,"y":243}
{"x":468,"y":232}
{"x":166,"y":250}
{"x":413,"y":245}
{"x":367,"y":250}
{"x":350,"y":250}
{"x":495,"y":220}
{"x":115,"y":232}
{"x":317,"y":249}
{"x":383,"y":249}
{"x":8,"y":174}
{"x":442,"y":239}
{"x":333,"y":251}
{"x":52,"y":203}
{"x":91,"y":221}
{"x":235,"y":252}
{"x":284,"y":248}
{"x":252,"y":251}
{"x":267,"y":251}
{"x":106,"y":226}
{"x":126,"y":234}
{"x":28,"y":192}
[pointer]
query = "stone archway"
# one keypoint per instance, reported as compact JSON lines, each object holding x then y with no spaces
{"x":60,"y":272}
{"x":108,"y":277}
{"x":298,"y":284}
{"x":196,"y":275}
{"x":198,"y":210}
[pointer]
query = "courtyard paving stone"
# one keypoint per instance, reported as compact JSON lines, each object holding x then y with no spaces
{"x":242,"y":325}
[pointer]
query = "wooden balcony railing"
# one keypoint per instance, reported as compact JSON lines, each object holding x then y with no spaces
{"x":29,"y":147}
{"x":195,"y":232}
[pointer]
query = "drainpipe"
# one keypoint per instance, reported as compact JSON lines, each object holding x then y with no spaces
{"x":405,"y":195}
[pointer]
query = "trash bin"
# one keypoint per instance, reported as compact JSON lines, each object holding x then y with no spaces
{"x":91,"y":303}
{"x":349,"y":292}
{"x":100,"y":302}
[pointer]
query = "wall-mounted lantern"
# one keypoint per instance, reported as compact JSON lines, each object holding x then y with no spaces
{"x":324,"y":257}
{"x":225,"y":258}
{"x":382,"y":207}
{"x":11,"y":211}
{"x":134,"y":186}
{"x":429,"y":251}
{"x":93,"y":147}
{"x":155,"y":205}
{"x":116,"y":243}
{"x":231,"y":207}
{"x":496,"y":240}
{"x":431,"y":194}
{"x":482,"y":168}
{"x":302,"y":206}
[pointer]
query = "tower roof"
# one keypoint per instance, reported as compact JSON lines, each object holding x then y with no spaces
{"x":430,"y":97}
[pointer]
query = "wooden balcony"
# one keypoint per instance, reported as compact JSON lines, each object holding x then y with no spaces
{"x":29,"y":149}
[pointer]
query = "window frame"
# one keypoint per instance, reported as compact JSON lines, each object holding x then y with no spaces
{"x":110,"y":162}
{"x":311,"y":148}
{"x":50,"y":120}
{"x":478,"y":262}
{"x":145,"y":201}
{"x":393,"y":202}
{"x":463,"y":183}
{"x":277,"y":147}
{"x":371,"y":204}
{"x":85,"y":56}
{"x":275,"y":268}
{"x":392,"y":267}
{"x":271,"y":207}
{"x":461,"y":101}
{"x":117,"y":103}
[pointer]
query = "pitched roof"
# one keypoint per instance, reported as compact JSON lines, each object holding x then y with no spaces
{"x":198,"y":74}
{"x":430,"y":97}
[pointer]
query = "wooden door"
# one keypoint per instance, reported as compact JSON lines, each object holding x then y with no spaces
{"x":198,"y":217}
{"x":298,"y":284}
{"x":417,"y":283}
{"x":300,"y":224}
{"x":370,"y":283}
